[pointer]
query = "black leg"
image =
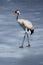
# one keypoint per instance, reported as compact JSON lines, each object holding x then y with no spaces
{"x":23,"y":41}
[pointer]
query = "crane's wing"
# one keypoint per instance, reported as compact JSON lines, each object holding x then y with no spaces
{"x":25,"y":23}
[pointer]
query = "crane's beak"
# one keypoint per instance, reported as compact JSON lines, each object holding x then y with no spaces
{"x":14,"y":14}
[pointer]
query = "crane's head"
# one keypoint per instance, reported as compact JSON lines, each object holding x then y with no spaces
{"x":17,"y":11}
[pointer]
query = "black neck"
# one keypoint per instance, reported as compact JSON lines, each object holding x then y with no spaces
{"x":17,"y":16}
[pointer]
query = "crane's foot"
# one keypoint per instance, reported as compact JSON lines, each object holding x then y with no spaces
{"x":28,"y":45}
{"x":20,"y":46}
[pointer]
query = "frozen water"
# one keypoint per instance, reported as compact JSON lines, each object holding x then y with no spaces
{"x":11,"y":34}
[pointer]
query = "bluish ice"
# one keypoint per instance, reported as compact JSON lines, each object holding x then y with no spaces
{"x":11,"y":34}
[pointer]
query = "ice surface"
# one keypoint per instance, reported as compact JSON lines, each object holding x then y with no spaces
{"x":11,"y":34}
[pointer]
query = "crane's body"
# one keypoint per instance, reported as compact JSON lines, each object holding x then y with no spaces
{"x":26,"y":25}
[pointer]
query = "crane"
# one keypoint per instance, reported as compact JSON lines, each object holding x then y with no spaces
{"x":26,"y":25}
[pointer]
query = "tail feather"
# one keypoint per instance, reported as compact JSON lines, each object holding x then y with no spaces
{"x":32,"y":31}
